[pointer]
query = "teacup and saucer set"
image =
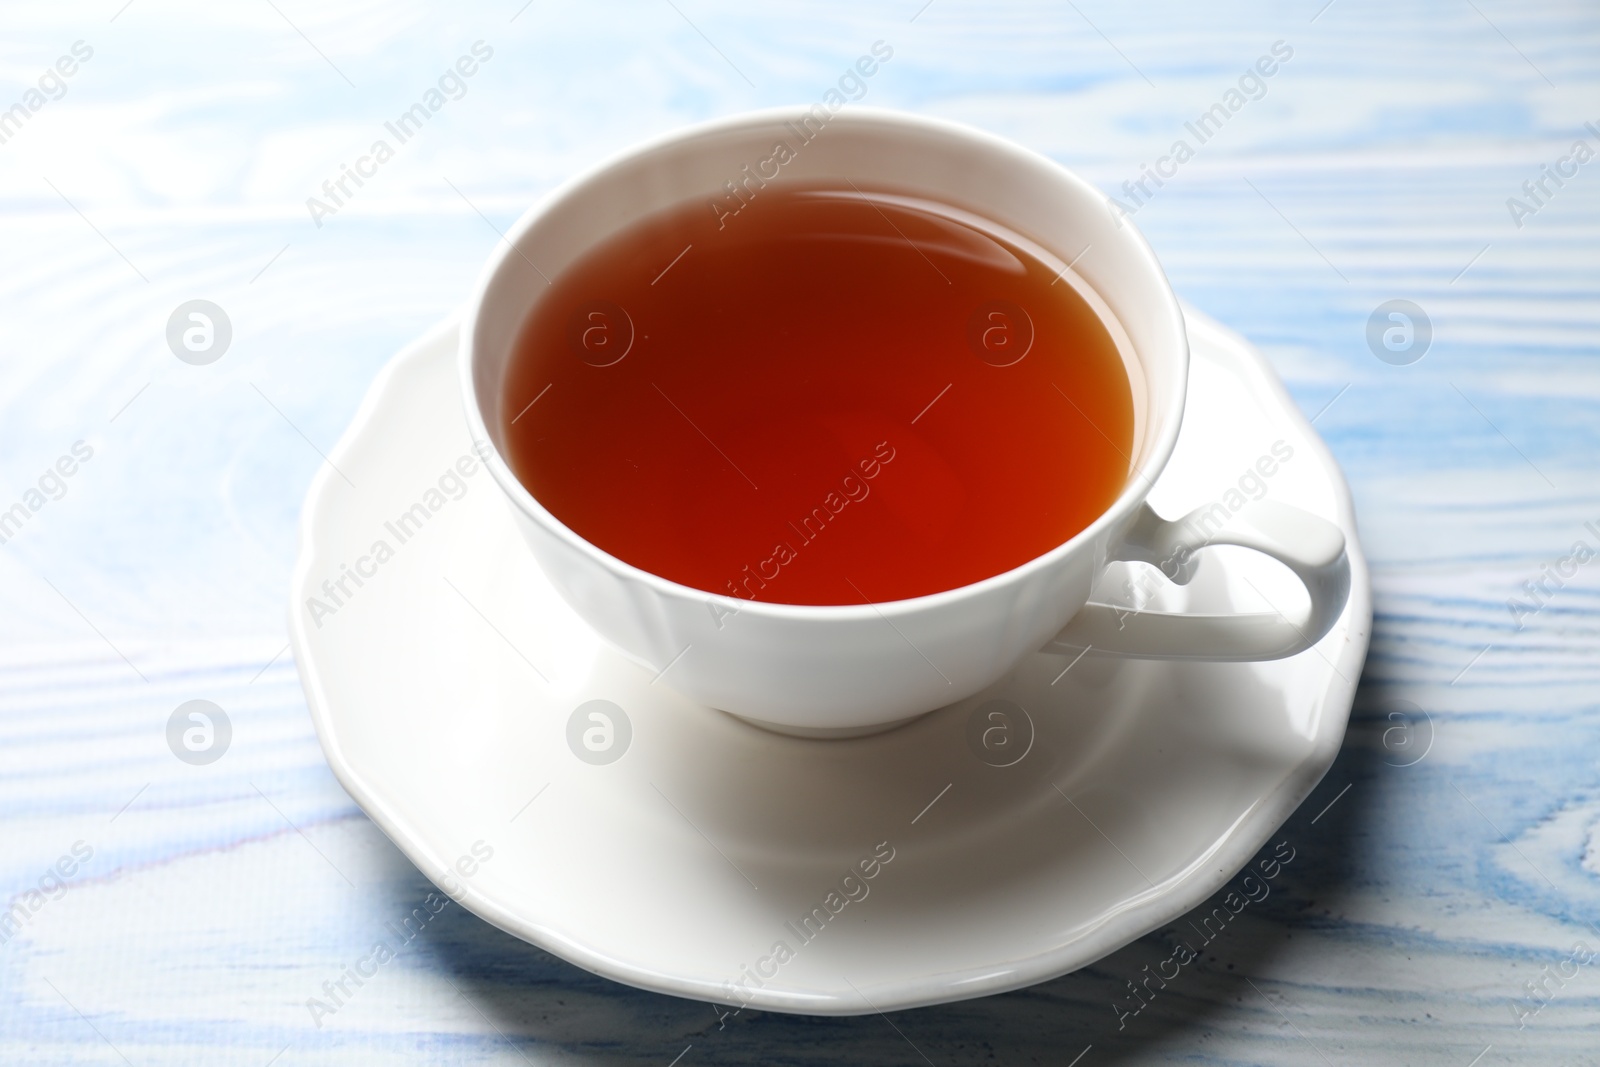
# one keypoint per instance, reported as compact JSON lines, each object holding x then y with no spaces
{"x":833,"y":809}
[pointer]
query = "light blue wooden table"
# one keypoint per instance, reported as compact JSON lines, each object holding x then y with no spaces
{"x":168,"y":913}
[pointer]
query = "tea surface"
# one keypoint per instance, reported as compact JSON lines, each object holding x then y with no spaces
{"x":835,"y":396}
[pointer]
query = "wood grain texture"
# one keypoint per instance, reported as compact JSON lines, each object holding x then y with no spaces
{"x":1451,"y":856}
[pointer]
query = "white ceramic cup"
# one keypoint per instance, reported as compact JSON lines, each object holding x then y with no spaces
{"x":854,"y":669}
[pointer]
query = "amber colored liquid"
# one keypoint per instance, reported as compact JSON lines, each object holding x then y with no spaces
{"x":821,"y":401}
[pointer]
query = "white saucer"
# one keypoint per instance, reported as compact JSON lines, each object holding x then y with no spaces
{"x":442,"y":689}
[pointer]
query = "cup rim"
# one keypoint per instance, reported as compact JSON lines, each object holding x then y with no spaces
{"x":1127,"y":500}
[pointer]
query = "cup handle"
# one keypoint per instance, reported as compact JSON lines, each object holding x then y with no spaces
{"x":1311,"y":547}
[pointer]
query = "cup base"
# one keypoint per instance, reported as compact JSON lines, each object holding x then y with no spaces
{"x":827,"y":733}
